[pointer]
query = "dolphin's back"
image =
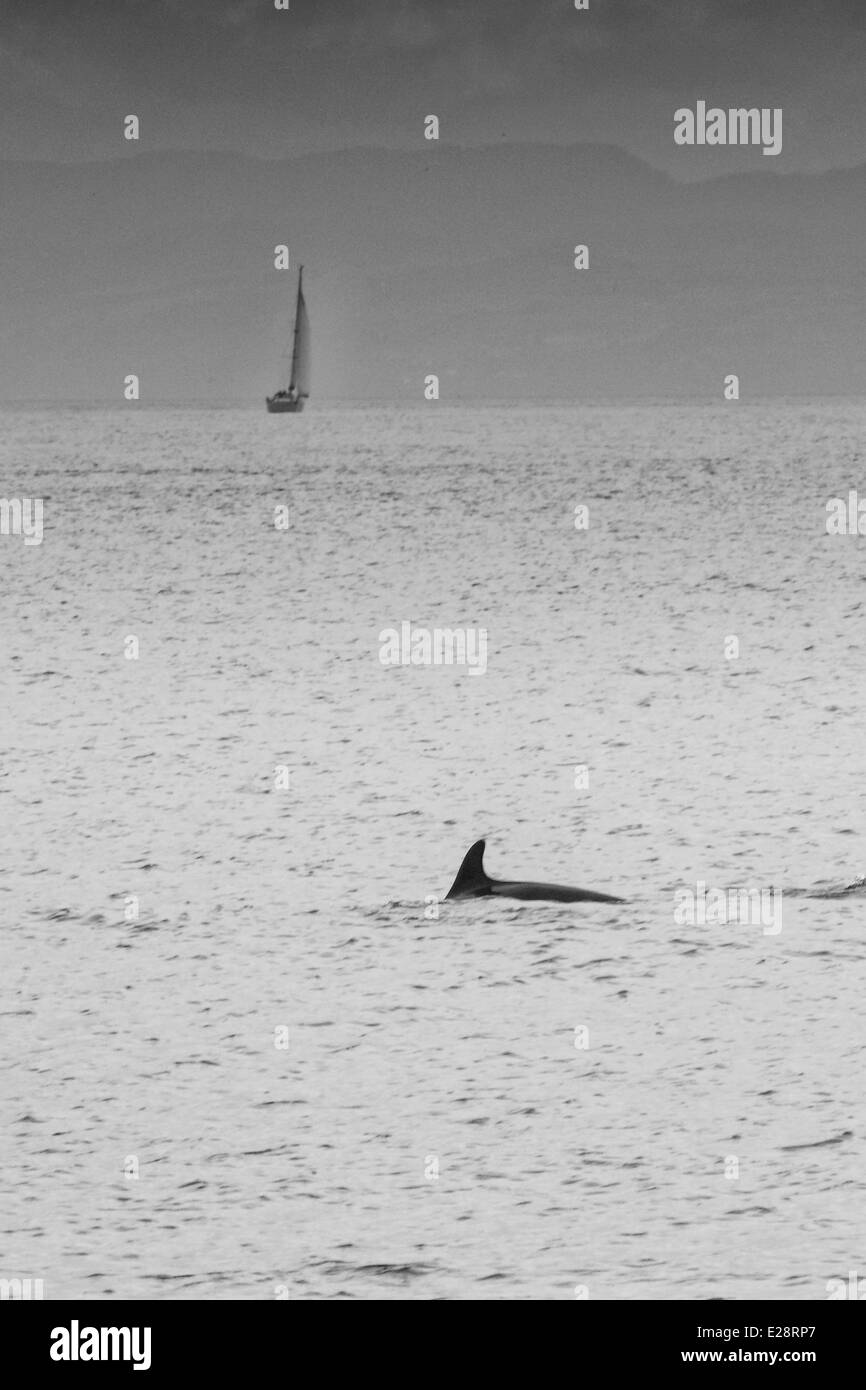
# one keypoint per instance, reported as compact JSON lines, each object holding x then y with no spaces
{"x":549,"y":892}
{"x":473,"y":882}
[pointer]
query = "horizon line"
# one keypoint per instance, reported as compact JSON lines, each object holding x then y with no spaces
{"x":391,"y":402}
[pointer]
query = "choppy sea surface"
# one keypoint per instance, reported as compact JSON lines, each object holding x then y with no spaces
{"x":242,"y":1055}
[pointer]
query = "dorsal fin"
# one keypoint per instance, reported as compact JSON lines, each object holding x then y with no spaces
{"x":471,"y":880}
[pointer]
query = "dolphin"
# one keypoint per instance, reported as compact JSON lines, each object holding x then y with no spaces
{"x":473,"y":882}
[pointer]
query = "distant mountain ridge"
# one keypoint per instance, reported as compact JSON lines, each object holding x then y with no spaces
{"x":457,"y":262}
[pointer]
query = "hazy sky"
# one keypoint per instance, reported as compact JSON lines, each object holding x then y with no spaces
{"x":239,"y":75}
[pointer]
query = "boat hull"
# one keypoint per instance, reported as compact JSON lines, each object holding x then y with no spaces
{"x":284,"y":405}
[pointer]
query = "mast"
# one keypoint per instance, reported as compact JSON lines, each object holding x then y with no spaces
{"x":297,"y":325}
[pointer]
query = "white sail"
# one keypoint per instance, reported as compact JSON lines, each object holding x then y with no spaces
{"x":301,"y":353}
{"x":290,"y":400}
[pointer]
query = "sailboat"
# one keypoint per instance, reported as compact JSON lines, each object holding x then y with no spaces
{"x":292,"y":398}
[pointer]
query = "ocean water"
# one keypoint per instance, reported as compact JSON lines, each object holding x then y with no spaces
{"x":489,"y":1099}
